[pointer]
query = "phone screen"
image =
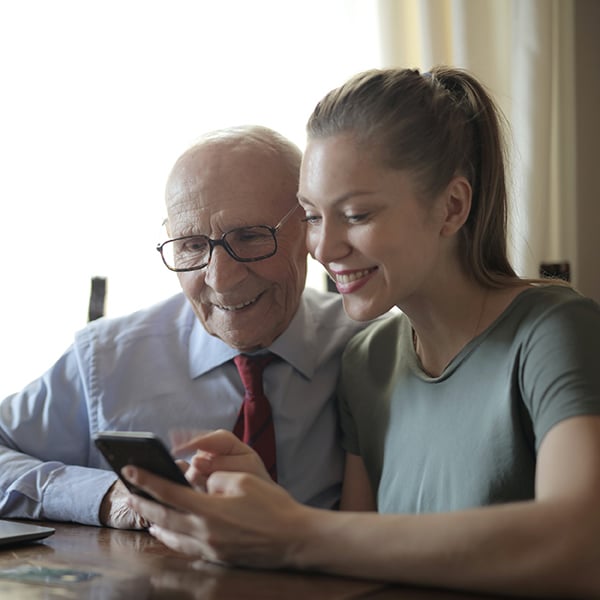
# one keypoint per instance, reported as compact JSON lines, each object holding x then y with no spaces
{"x":141,"y":449}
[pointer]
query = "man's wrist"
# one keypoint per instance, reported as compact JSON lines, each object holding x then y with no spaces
{"x":106,"y":506}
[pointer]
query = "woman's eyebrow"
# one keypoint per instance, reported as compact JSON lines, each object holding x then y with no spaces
{"x":340,"y":199}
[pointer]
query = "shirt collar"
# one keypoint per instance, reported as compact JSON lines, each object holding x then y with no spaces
{"x":295,"y":345}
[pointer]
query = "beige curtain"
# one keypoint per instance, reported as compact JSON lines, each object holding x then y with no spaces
{"x":523,"y":52}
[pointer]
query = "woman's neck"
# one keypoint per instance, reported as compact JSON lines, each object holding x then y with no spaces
{"x":445,"y":326}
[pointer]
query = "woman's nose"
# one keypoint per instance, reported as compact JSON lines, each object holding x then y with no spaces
{"x":327,"y":243}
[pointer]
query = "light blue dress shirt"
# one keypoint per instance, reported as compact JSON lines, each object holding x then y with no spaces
{"x":158,"y":370}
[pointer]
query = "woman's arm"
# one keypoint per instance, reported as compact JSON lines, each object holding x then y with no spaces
{"x":357,"y":493}
{"x":547,"y":547}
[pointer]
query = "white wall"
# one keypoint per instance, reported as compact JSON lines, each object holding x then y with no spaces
{"x":98,"y":100}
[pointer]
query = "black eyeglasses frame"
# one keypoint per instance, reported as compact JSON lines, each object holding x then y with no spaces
{"x":221,"y":241}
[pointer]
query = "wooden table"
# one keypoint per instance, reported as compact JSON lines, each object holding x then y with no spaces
{"x":130,"y":564}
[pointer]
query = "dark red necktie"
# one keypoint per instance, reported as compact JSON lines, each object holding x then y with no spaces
{"x":254,"y":425}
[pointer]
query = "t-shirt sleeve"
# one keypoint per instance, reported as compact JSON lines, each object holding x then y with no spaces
{"x":560,"y":373}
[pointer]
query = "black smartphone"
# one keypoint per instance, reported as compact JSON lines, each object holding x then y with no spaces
{"x":142,"y":449}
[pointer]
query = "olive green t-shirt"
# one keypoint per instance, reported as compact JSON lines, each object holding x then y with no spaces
{"x":470,"y":436}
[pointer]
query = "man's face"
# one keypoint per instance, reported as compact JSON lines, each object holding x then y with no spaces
{"x":219,"y":187}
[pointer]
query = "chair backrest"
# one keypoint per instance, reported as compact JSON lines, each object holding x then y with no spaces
{"x":97,"y":298}
{"x":558,"y":270}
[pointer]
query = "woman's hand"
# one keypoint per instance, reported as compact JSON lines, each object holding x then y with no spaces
{"x":220,"y":450}
{"x":241,"y":520}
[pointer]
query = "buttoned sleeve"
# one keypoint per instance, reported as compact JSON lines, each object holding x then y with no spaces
{"x":44,"y":450}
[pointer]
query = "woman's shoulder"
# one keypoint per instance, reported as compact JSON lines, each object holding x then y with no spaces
{"x":542,"y":300}
{"x":383,"y":335}
{"x":542,"y":308}
{"x":372,"y":356}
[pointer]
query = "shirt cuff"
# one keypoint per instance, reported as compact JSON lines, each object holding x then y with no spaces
{"x":76,"y":493}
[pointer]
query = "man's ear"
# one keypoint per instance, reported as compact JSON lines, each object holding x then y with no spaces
{"x":457,"y":199}
{"x":165,"y":224}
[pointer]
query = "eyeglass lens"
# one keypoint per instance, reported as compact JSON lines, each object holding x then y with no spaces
{"x":245,"y":243}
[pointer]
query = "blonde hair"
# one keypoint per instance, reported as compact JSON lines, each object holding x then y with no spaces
{"x":436,"y":125}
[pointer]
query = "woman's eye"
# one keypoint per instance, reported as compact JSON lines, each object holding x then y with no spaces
{"x":312,"y":219}
{"x":358,"y":218}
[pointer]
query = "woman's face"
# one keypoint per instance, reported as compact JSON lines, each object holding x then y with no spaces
{"x":379,"y":241}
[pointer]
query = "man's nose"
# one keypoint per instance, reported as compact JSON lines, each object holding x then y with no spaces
{"x":223,"y":272}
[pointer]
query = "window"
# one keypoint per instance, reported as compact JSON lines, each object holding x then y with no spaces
{"x":99,"y":99}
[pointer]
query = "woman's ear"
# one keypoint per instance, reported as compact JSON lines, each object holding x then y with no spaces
{"x":457,"y":199}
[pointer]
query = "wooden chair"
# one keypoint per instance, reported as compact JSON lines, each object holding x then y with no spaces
{"x":97,"y":298}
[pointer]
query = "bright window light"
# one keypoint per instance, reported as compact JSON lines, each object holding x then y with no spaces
{"x":99,"y":99}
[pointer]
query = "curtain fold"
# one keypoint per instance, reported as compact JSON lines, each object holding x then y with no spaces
{"x":523,"y":51}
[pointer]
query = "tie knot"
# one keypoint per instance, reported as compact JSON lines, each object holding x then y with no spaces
{"x":251,"y":370}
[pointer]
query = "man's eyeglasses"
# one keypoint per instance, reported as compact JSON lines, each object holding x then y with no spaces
{"x":244,"y":244}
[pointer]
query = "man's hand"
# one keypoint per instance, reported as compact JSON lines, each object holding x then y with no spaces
{"x":114,"y":511}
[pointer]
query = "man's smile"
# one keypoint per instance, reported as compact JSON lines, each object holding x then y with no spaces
{"x":238,"y":306}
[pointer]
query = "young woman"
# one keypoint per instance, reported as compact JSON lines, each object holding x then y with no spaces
{"x":472,"y":418}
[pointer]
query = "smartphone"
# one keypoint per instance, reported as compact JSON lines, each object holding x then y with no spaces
{"x":142,"y":449}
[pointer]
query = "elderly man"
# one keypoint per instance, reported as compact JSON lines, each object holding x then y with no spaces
{"x":236,"y":242}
